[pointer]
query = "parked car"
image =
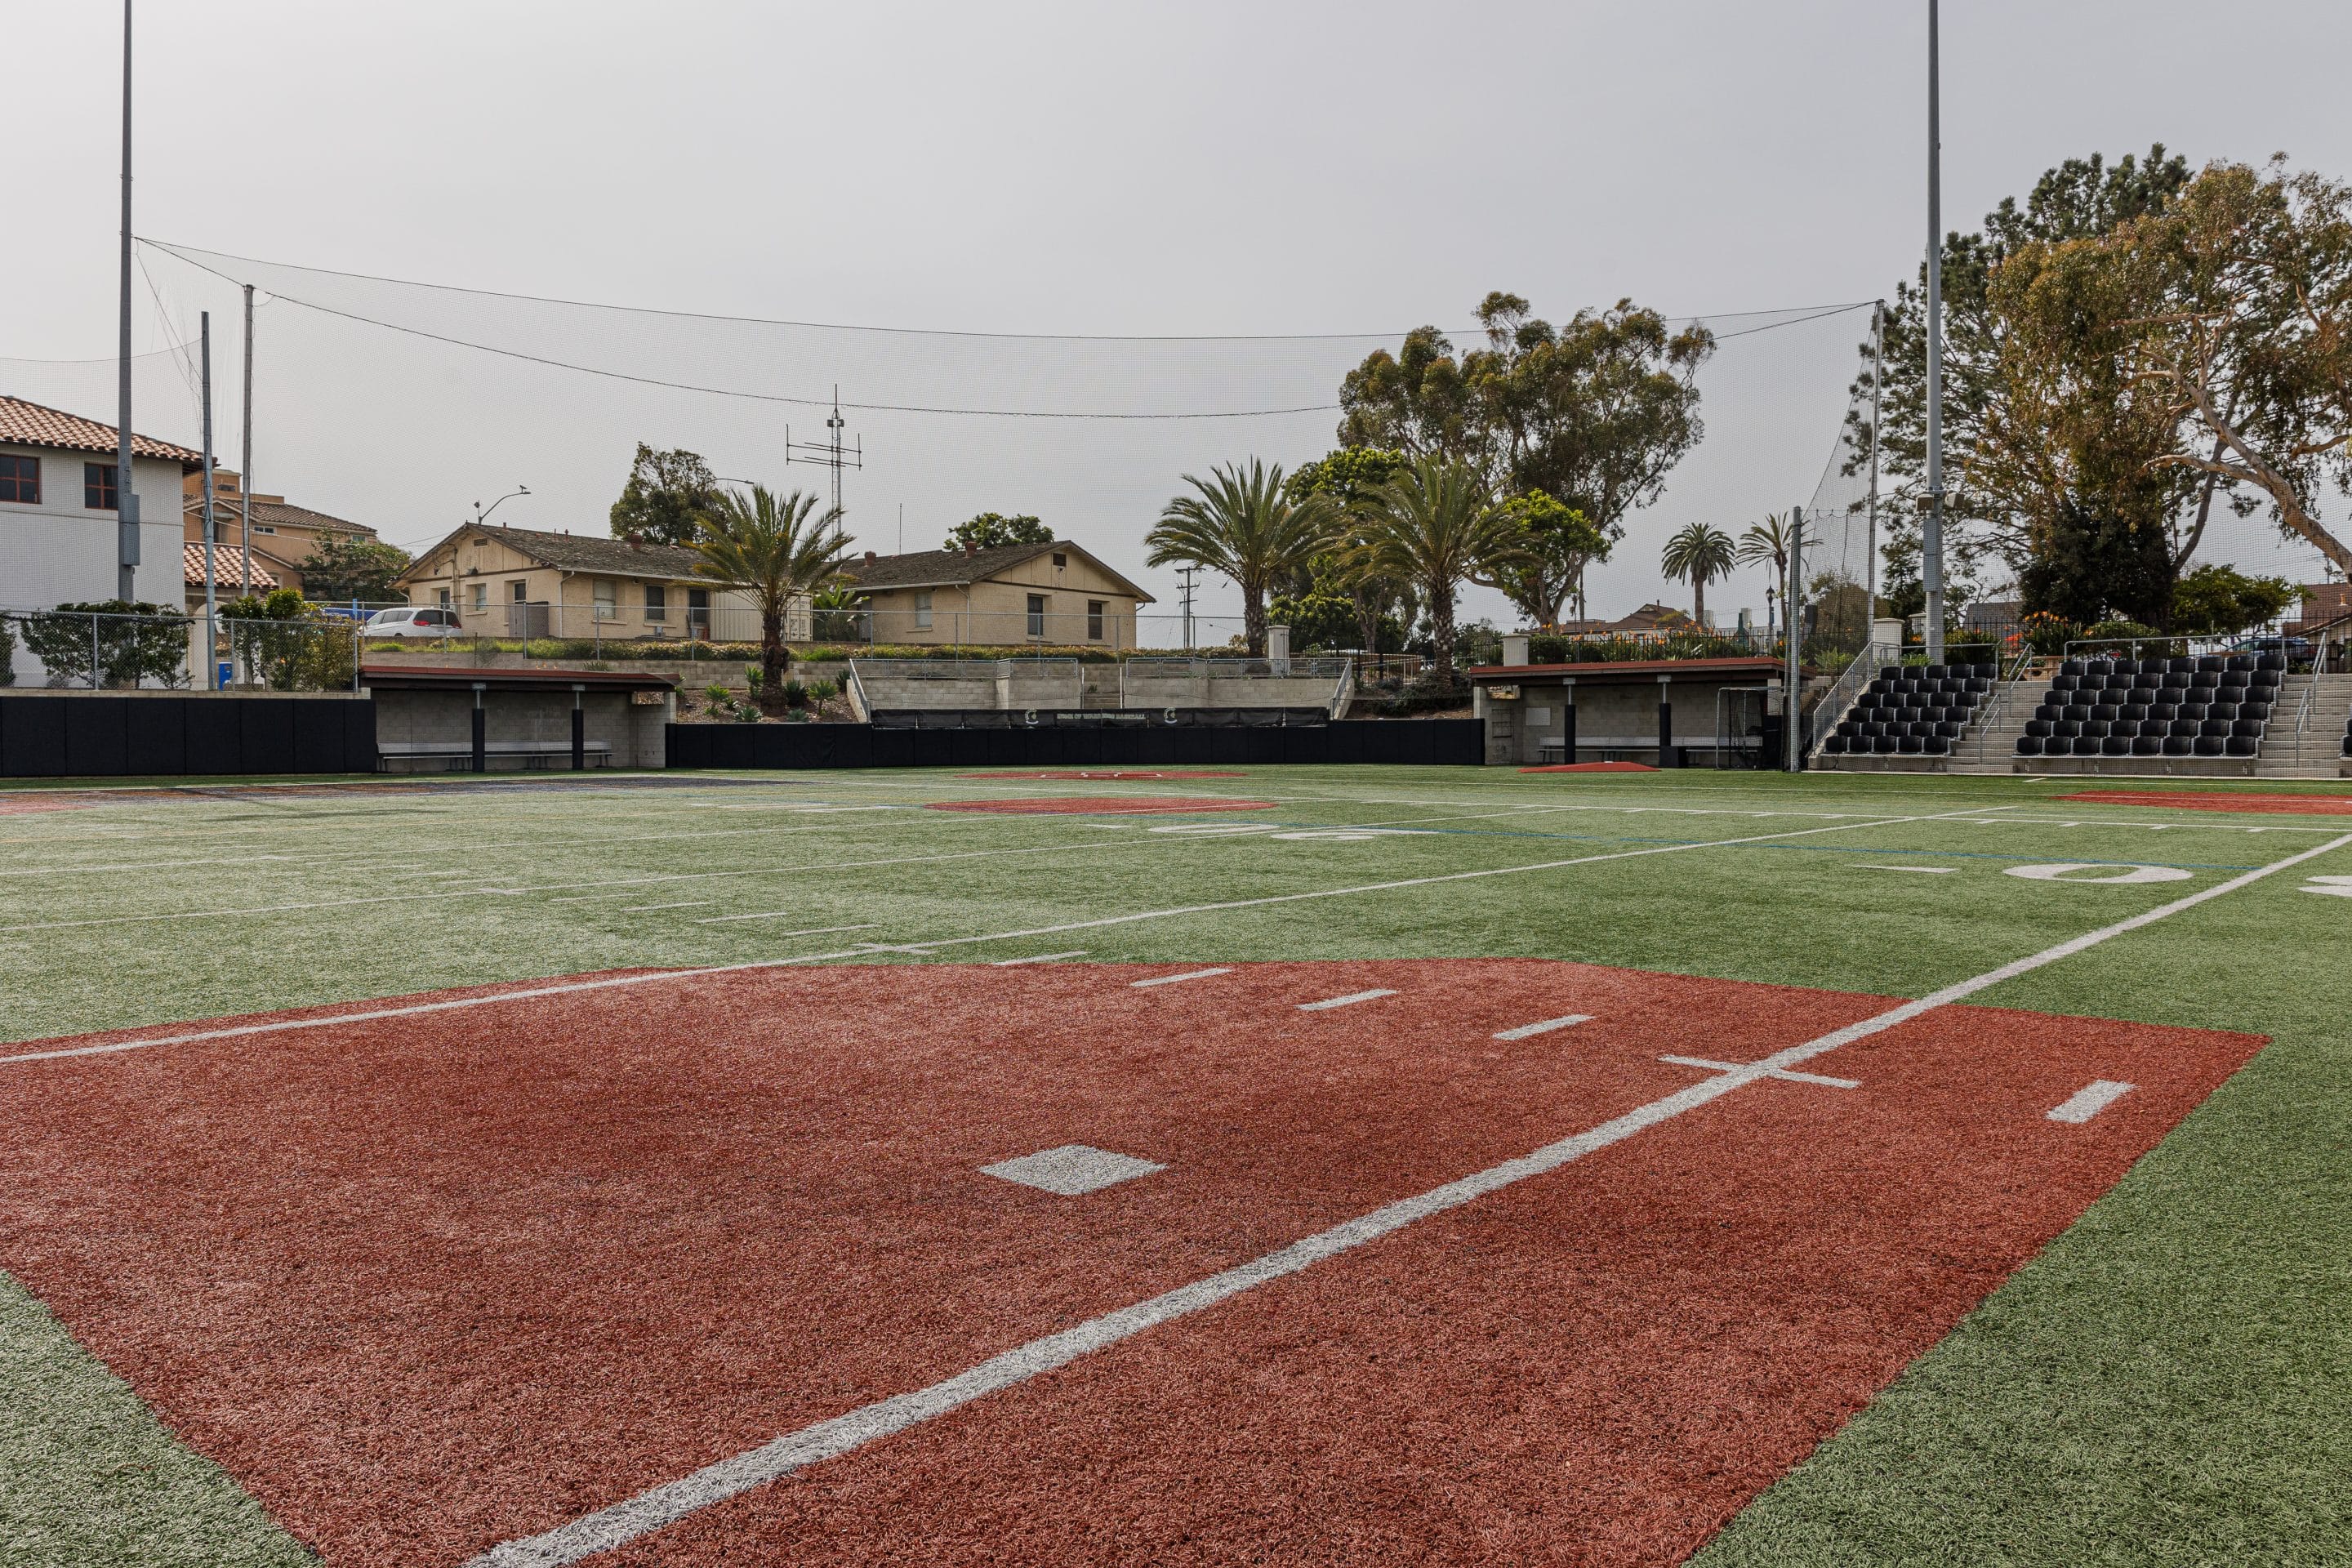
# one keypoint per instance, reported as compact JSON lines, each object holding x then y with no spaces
{"x":2298,"y":651}
{"x":412,"y":621}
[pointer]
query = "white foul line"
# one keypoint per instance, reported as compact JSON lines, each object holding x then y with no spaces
{"x":2089,"y":1101}
{"x":664,"y":1504}
{"x":1176,"y":979}
{"x":567,"y":988}
{"x":1529,"y":1031}
{"x":1350,"y":1000}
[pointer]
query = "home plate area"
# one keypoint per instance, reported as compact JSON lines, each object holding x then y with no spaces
{"x":1050,"y":1265}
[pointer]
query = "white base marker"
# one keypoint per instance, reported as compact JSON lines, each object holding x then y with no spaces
{"x":1781,"y":1073}
{"x":651,"y":1510}
{"x":1927,"y":870}
{"x":1071,"y":1171}
{"x":1529,"y":1031}
{"x":1348,"y":1001}
{"x":1038,"y":958}
{"x":2089,"y":1101}
{"x":1176,"y":979}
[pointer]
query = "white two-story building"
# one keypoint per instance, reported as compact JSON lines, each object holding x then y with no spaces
{"x":57,"y":542}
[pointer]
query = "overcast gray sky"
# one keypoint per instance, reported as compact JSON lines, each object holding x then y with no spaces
{"x":1202,"y":167}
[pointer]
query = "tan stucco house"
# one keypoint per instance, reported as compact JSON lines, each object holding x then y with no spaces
{"x":1056,"y":594}
{"x":523,"y":583}
{"x":284,"y":535}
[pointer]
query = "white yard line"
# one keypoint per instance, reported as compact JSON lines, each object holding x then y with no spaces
{"x":2089,"y":1101}
{"x":1176,"y":979}
{"x":639,"y":1516}
{"x":684,"y":904}
{"x":1928,"y":870}
{"x":1040,"y":958}
{"x":1529,"y":1031}
{"x":1350,"y":1000}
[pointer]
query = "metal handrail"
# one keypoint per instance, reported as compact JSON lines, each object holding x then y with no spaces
{"x":1997,"y":708}
{"x":1839,"y":699}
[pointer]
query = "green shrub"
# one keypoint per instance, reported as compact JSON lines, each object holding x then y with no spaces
{"x":128,"y":641}
{"x":7,"y":653}
{"x":796,"y":694}
{"x":718,"y":694}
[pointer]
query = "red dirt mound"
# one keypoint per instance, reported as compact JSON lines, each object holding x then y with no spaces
{"x":1591,"y":768}
{"x":2184,"y":800}
{"x":1101,"y":805}
{"x":1104,"y":773}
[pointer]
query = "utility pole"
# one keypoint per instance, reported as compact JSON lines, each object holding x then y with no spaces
{"x":1792,"y":621}
{"x":212,"y":602}
{"x":245,"y":479}
{"x":1931,"y":536}
{"x":1185,"y":575}
{"x":1877,"y":375}
{"x":830,"y":452}
{"x":126,"y":501}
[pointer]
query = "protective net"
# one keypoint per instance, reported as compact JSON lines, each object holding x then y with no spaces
{"x":399,"y":404}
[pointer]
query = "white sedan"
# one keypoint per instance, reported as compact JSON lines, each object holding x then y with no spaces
{"x":411,"y":622}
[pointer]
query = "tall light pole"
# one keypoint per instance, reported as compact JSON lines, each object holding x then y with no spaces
{"x":126,"y":501}
{"x":1931,"y":536}
{"x":245,"y":456}
{"x":1877,"y":378}
{"x":212,"y":602}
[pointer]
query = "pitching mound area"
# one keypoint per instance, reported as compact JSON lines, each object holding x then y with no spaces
{"x":1591,"y":768}
{"x":1454,"y":1261}
{"x":1122,"y":775}
{"x":1102,"y":806}
{"x":2219,"y":800}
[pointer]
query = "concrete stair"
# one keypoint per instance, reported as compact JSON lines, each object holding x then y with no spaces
{"x":2315,"y":750}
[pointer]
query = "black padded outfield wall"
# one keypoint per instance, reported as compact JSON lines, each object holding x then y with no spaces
{"x":99,"y":734}
{"x":1457,"y":743}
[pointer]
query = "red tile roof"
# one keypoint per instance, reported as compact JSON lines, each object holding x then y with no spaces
{"x":227,"y":570}
{"x":35,"y":424}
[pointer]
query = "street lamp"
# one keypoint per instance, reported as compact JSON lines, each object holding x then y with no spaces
{"x":482,"y":512}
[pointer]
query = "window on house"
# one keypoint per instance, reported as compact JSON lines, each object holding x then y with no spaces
{"x":481,"y":596}
{"x":20,"y":480}
{"x":97,"y":487}
{"x":923,"y":611}
{"x":518,"y":587}
{"x":263,"y":528}
{"x":656,"y":601}
{"x":1060,"y":560}
{"x":1036,"y":615}
{"x":608,"y":599}
{"x":1094,"y":620}
{"x":444,"y":598}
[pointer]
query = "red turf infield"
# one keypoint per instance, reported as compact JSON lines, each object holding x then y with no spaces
{"x":1098,"y":774}
{"x":429,"y":1283}
{"x":1102,"y":806}
{"x":2192,"y":800}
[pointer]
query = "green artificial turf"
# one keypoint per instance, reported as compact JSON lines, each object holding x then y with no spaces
{"x":2165,"y":1385}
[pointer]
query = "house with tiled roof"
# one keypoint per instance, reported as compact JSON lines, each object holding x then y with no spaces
{"x":57,"y":509}
{"x":284,"y":534}
{"x":525,"y":582}
{"x":1057,"y":594}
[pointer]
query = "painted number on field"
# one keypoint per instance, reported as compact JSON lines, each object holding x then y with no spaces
{"x":2332,"y":887}
{"x":2074,"y":871}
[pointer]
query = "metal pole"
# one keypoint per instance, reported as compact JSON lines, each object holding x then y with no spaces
{"x":212,"y":605}
{"x":1792,"y":621}
{"x":1931,"y":539}
{"x":126,"y":502}
{"x":245,"y":480}
{"x":1877,"y":374}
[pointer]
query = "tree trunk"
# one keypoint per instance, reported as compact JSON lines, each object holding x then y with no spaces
{"x":1254,"y":619}
{"x":771,"y":660}
{"x":1441,"y":634}
{"x":1367,"y":620}
{"x":1699,"y":603}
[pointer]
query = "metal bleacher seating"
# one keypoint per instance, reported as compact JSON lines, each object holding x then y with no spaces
{"x":1912,"y":710}
{"x":2211,"y":705}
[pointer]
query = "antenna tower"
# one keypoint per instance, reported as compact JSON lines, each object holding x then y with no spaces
{"x":831,"y":451}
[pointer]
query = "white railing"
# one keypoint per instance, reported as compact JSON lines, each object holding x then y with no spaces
{"x":1839,"y":699}
{"x":1995,"y":712}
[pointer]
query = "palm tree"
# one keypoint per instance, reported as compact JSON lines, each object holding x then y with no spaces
{"x":1241,"y":524}
{"x":1697,"y":556}
{"x":1772,"y":540}
{"x":766,"y":545}
{"x":1436,"y":526}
